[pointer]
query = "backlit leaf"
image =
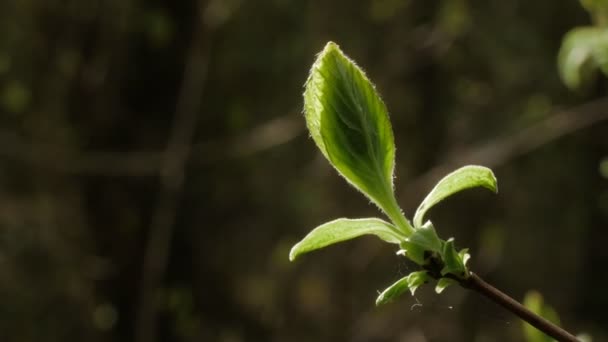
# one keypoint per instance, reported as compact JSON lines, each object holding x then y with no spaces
{"x":349,"y":123}
{"x":411,"y":282}
{"x":464,"y":178}
{"x":345,"y":229}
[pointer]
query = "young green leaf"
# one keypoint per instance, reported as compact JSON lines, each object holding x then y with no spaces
{"x":349,"y":123}
{"x":424,"y":239}
{"x":411,"y":282}
{"x":345,"y":229}
{"x":454,"y":261}
{"x":443,"y":283}
{"x":464,"y":178}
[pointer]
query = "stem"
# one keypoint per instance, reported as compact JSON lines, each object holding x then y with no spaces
{"x":475,"y":283}
{"x":396,"y":215}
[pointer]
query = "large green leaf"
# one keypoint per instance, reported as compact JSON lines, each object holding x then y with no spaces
{"x":464,"y":178}
{"x":345,"y":229}
{"x":349,"y":123}
{"x":584,"y":50}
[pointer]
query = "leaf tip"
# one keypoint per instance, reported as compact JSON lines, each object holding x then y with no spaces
{"x":293,"y":253}
{"x":331,"y":45}
{"x":493,"y":185}
{"x":380,"y":300}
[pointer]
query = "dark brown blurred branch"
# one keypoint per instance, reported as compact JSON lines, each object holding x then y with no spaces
{"x":265,"y":136}
{"x":504,"y":149}
{"x":172,"y":174}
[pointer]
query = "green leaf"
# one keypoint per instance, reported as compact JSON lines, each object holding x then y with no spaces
{"x":349,"y":123}
{"x":464,"y":178}
{"x":454,"y":262}
{"x":584,"y":50}
{"x":345,"y":229}
{"x":464,"y":256}
{"x":411,"y":282}
{"x":424,"y":239}
{"x":443,"y":283}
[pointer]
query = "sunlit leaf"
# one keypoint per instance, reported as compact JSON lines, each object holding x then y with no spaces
{"x":345,"y":229}
{"x":464,"y":178}
{"x":349,"y":123}
{"x":411,"y":282}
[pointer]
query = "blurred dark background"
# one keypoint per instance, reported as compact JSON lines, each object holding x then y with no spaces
{"x":155,"y":169}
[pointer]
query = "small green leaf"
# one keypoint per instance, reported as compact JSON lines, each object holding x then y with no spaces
{"x":464,"y":178}
{"x":413,"y":251}
{"x":393,"y":291}
{"x":464,"y":256}
{"x":411,"y":282}
{"x":443,"y":283}
{"x":345,"y":229}
{"x":349,"y":123}
{"x":584,"y":50}
{"x":454,"y":261}
{"x":424,"y":239}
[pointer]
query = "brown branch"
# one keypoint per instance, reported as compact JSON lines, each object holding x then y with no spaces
{"x":475,"y":283}
{"x":172,"y":173}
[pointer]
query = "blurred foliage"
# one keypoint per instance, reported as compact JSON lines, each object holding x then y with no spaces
{"x":584,"y":50}
{"x":88,"y":95}
{"x":535,"y":303}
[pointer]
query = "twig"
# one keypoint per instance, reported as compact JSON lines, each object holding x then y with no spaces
{"x":172,"y":176}
{"x":475,"y":283}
